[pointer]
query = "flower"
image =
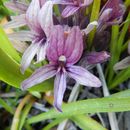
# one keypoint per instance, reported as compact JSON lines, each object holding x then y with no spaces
{"x":72,"y":6}
{"x":97,"y":57}
{"x":40,"y":21}
{"x":63,"y":52}
{"x":111,"y":13}
{"x":21,"y":8}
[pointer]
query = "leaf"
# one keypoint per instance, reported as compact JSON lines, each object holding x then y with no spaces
{"x":87,"y":123}
{"x":7,"y":47}
{"x":10,"y":73}
{"x":85,"y":106}
{"x":6,"y":106}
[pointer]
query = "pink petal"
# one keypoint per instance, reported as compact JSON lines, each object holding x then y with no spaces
{"x":87,"y":2}
{"x":17,"y":21}
{"x":21,"y":36}
{"x":41,"y":54}
{"x":59,"y":90}
{"x":28,"y":56}
{"x":32,"y":14}
{"x":45,"y":17}
{"x":69,"y":10}
{"x":83,"y":77}
{"x":56,"y":45}
{"x":40,"y":75}
{"x":17,"y":6}
{"x":73,"y":46}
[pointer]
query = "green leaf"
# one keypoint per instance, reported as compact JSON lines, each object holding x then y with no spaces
{"x":121,"y":77}
{"x":85,"y":106}
{"x":6,"y":106}
{"x":10,"y":73}
{"x":87,"y":123}
{"x":24,"y":115}
{"x":7,"y":47}
{"x":94,"y":17}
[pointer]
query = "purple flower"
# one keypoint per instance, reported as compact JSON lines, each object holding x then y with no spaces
{"x":97,"y":57}
{"x":72,"y":6}
{"x":111,"y":13}
{"x":63,"y":52}
{"x":40,"y":21}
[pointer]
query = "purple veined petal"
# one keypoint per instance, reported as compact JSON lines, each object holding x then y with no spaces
{"x":106,"y":15}
{"x":42,"y":2}
{"x":83,"y":76}
{"x":45,"y":17}
{"x":17,"y":6}
{"x":22,"y":36}
{"x":73,"y":46}
{"x":63,"y":2}
{"x":87,"y":2}
{"x":28,"y":56}
{"x":97,"y":57}
{"x":19,"y":46}
{"x":41,"y":54}
{"x":59,"y":90}
{"x":125,"y":63}
{"x":69,"y":10}
{"x":40,"y":75}
{"x":32,"y":14}
{"x":117,"y":9}
{"x":90,"y":27}
{"x":18,"y":21}
{"x":56,"y":45}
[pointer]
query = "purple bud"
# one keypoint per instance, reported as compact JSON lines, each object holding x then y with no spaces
{"x":97,"y":57}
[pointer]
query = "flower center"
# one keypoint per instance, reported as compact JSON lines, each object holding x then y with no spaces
{"x":62,"y":58}
{"x":62,"y":61}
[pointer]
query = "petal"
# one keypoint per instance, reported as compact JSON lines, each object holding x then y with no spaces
{"x":83,"y":77}
{"x":40,"y":75}
{"x":21,"y":36}
{"x":69,"y":10}
{"x":45,"y":17}
{"x":16,"y":6}
{"x":17,"y":21}
{"x":41,"y":54}
{"x":59,"y":90}
{"x":74,"y":46}
{"x":90,"y":27}
{"x":125,"y":63}
{"x":56,"y":44}
{"x":87,"y":2}
{"x":19,"y":46}
{"x":28,"y":56}
{"x":97,"y":57}
{"x":106,"y":15}
{"x":117,"y":7}
{"x":32,"y":14}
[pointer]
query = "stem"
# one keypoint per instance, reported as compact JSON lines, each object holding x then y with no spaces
{"x":16,"y":119}
{"x":73,"y":96}
{"x":111,"y":116}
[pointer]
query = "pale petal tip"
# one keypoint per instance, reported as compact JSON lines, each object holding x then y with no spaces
{"x":57,"y":107}
{"x":22,"y":86}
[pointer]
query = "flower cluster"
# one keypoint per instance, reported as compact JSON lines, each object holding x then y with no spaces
{"x":60,"y":40}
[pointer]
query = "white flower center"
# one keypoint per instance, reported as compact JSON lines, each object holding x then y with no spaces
{"x":62,"y":58}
